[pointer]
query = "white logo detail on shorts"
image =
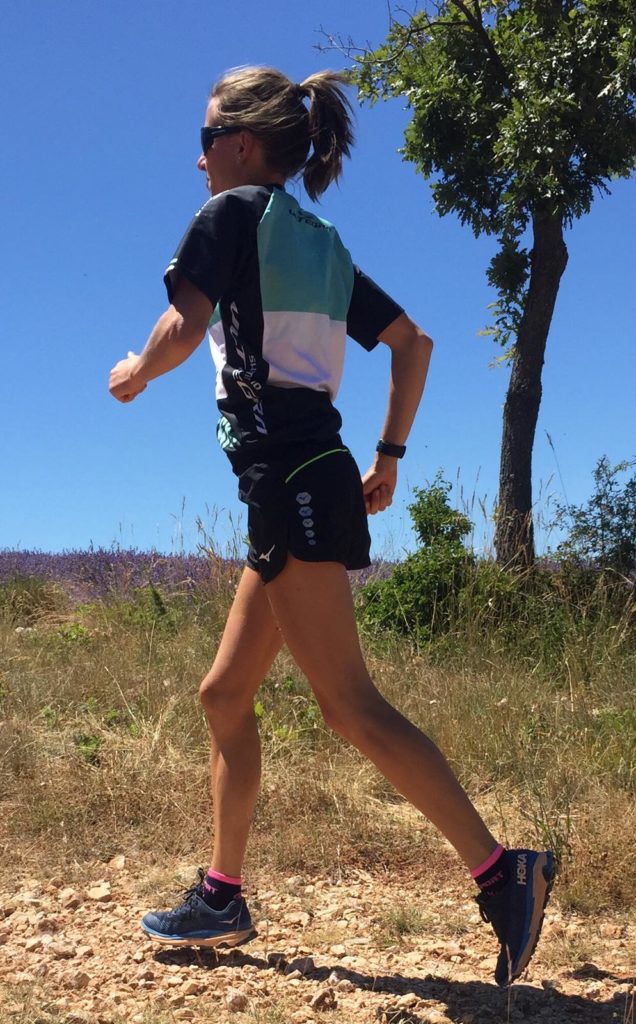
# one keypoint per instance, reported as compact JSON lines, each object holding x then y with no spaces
{"x":306,"y":512}
{"x":265,"y":557}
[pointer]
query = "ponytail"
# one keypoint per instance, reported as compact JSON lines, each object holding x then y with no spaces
{"x":267,"y":103}
{"x":330,"y":127}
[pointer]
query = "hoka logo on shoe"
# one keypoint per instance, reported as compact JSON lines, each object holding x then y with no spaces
{"x":522,"y":869}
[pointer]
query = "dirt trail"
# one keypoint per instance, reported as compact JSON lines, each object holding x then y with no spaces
{"x":354,"y":950}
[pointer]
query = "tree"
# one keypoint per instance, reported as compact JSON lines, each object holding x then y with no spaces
{"x":522,"y":111}
{"x":602,"y":533}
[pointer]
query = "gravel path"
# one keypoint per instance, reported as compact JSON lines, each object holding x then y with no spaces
{"x":353,"y":950}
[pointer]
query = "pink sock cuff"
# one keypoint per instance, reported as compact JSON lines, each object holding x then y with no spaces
{"x":220,"y":877}
{"x":496,"y":853}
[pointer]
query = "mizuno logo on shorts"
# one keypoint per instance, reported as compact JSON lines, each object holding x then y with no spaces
{"x":267,"y":554}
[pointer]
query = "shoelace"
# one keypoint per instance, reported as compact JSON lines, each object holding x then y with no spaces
{"x":195,"y":890}
{"x":490,"y":909}
{"x":483,"y":913}
{"x":482,"y":903}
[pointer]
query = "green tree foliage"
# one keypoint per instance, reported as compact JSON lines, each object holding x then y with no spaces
{"x":602,"y":532}
{"x":517,"y":107}
{"x":521,"y":112}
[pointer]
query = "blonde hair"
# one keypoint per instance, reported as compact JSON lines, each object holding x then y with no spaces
{"x":267,"y":103}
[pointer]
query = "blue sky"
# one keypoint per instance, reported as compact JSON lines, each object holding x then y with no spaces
{"x":102,"y":105}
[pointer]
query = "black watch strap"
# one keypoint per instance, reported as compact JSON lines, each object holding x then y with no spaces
{"x":386,"y":448}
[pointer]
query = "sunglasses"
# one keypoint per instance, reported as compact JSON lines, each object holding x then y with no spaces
{"x":208,"y":135}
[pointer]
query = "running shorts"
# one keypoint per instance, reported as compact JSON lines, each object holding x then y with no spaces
{"x":307,"y":502}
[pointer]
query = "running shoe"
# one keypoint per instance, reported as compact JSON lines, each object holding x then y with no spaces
{"x":516,"y":912}
{"x":194,"y":923}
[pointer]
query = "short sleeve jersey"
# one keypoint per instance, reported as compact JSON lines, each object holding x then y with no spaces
{"x":285,"y":295}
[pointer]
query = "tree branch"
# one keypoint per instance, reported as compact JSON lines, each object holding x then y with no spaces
{"x":361,"y":53}
{"x":476,"y":23}
{"x":351,"y":50}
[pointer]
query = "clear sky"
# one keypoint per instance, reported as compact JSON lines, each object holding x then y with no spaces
{"x":101,"y":108}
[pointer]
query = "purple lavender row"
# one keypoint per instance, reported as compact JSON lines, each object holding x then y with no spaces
{"x":101,"y":573}
{"x":115,"y":572}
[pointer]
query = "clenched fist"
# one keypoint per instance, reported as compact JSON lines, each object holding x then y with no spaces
{"x":124,"y":384}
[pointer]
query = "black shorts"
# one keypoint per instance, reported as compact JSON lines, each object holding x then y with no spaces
{"x":309,"y":503}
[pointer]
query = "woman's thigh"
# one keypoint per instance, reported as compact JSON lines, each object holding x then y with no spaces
{"x":250,"y":642}
{"x":313,"y":605}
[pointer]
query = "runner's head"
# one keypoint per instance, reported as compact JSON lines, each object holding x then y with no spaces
{"x":297,"y":128}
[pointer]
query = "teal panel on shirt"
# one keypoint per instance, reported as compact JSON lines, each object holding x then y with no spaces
{"x":304,"y":267}
{"x":226,"y":436}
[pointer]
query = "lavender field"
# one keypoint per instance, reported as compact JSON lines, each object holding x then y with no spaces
{"x":105,"y":573}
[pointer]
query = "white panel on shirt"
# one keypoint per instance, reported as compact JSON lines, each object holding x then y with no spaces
{"x":216,"y":337}
{"x":304,"y":350}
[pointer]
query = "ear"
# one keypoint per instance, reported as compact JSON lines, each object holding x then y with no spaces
{"x":249,"y":149}
{"x":245,"y":145}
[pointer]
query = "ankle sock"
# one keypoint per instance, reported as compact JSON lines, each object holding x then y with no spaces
{"x":220,"y":889}
{"x":494,"y":873}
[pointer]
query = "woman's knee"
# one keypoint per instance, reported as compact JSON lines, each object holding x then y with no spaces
{"x":355,"y":717}
{"x":222,"y":697}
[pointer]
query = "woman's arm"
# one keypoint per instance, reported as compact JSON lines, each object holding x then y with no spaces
{"x":410,"y":356}
{"x":175,"y":336}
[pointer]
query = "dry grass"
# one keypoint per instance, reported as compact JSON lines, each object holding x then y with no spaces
{"x":103,"y":748}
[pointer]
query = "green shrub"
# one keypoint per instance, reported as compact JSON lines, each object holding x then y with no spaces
{"x":88,"y":746}
{"x":603,"y":531}
{"x":149,"y":609}
{"x":419,"y":599}
{"x":553,"y":619}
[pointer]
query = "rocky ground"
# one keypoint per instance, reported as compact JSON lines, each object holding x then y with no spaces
{"x":350,"y":950}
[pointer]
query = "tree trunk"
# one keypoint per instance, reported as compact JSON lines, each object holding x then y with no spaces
{"x":514,"y":536}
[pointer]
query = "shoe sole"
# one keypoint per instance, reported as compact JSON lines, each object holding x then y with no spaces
{"x":543,"y":876}
{"x":214,"y":942}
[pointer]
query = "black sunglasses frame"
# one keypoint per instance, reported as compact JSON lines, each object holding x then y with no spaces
{"x":208,"y":134}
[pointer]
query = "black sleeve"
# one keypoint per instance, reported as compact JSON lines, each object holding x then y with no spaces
{"x":209,"y":251}
{"x":370,"y":310}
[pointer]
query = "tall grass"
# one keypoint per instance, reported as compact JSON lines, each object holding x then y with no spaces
{"x":103,"y":746}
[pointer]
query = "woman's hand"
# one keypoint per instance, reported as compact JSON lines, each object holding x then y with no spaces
{"x":378,"y":484}
{"x":122,"y":383}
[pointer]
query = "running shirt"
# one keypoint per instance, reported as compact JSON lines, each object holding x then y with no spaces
{"x":285,"y":294}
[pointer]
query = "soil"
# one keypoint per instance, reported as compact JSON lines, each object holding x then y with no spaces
{"x":353,"y":949}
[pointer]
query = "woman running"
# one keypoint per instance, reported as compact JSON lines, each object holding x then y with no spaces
{"x":278,"y":293}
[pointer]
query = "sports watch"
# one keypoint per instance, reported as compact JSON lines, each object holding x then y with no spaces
{"x":386,"y":448}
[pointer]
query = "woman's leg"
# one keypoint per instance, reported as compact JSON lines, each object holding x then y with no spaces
{"x":313,"y":605}
{"x":251,"y":640}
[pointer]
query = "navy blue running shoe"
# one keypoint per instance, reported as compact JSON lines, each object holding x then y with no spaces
{"x":194,"y":923}
{"x":516,"y":912}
